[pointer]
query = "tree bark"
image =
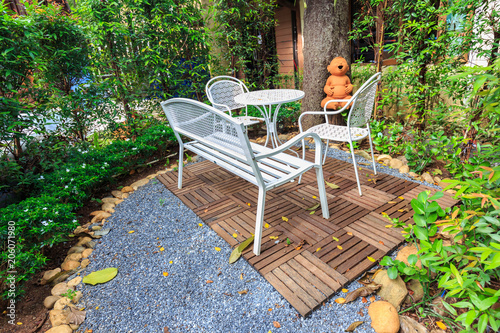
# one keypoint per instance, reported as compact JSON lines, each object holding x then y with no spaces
{"x":326,"y":27}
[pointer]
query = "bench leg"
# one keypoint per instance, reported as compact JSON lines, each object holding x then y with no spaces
{"x":259,"y":221}
{"x":322,"y":193}
{"x":181,"y":164}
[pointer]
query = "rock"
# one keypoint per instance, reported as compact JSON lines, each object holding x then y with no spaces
{"x":102,"y":232}
{"x":59,"y":289}
{"x":69,"y":265}
{"x":97,"y":212}
{"x":49,"y":275}
{"x":83,"y":240}
{"x":438,"y":331}
{"x":403,"y":159}
{"x":91,"y":245}
{"x":413,"y":174}
{"x":61,"y":329}
{"x":86,"y":253}
{"x":195,"y":158}
{"x":100,"y":217}
{"x":125,"y":196}
{"x":427,"y":178}
{"x":384,"y":159}
{"x":418,"y":292}
{"x":404,"y":169}
{"x":162,"y":172}
{"x":108,"y":207}
{"x":76,"y":249}
{"x":283,"y":137}
{"x":151,"y":176}
{"x":59,"y":317}
{"x":139,"y":183}
{"x":85,"y":263}
{"x":118,"y":202}
{"x":409,"y":325}
{"x":109,"y":200}
{"x":78,"y":230}
{"x":77,"y":297}
{"x":437,"y":179}
{"x":395,"y":163}
{"x":74,"y":256}
{"x":405,"y":252}
{"x":385,"y":318}
{"x":363,"y":154}
{"x":96,"y":227}
{"x":49,"y":301}
{"x":74,"y":327}
{"x":62,"y":276}
{"x":74,"y":282}
{"x":393,"y":291}
{"x":127,"y":189}
{"x":62,"y":303}
{"x":117,"y":194}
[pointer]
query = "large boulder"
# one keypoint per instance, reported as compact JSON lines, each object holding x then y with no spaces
{"x":385,"y":318}
{"x":405,"y":252}
{"x":395,"y":164}
{"x":59,"y":317}
{"x":404,"y":169}
{"x":60,"y":329}
{"x":386,"y":159}
{"x":60,"y":288}
{"x":49,"y":301}
{"x":393,"y":291}
{"x":49,"y":275}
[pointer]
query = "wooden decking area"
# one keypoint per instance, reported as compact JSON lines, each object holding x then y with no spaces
{"x":336,"y":250}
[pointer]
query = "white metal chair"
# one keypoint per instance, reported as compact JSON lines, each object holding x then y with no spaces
{"x":358,"y":126}
{"x":221,"y":91}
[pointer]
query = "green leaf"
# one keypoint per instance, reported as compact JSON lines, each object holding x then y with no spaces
{"x":419,"y":220}
{"x":392,"y":272}
{"x":314,"y":207}
{"x":457,"y":275}
{"x":236,"y":254}
{"x":417,"y":207}
{"x":101,"y":276}
{"x":450,"y":308}
{"x":412,"y":259}
{"x":420,"y":232}
{"x":469,"y":318}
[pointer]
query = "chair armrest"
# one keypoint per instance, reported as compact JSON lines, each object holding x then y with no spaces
{"x":317,"y":142}
{"x":223,"y":106}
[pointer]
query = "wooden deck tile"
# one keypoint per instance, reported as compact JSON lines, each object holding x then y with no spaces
{"x":335,"y":251}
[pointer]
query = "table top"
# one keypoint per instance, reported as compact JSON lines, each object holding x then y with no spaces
{"x":270,"y":96}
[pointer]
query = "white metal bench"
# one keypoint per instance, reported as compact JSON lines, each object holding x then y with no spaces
{"x":223,"y":140}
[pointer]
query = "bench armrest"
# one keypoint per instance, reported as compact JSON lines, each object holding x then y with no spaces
{"x":295,"y":140}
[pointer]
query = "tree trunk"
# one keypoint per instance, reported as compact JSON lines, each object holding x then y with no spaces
{"x":326,"y":28}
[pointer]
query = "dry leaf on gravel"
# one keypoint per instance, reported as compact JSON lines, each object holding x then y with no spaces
{"x":276,"y":324}
{"x":353,"y":326}
{"x":76,"y":317}
{"x":243,"y":292}
{"x":367,"y":290}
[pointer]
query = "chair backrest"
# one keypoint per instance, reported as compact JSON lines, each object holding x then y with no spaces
{"x":204,"y":123}
{"x":221,"y":91}
{"x":363,"y":102}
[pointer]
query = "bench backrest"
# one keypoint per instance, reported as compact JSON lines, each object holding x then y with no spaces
{"x":212,"y":127}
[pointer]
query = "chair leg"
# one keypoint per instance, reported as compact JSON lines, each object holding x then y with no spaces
{"x":303,"y":155}
{"x":355,"y":168}
{"x":322,"y":192}
{"x":181,"y":164}
{"x":371,"y":149}
{"x":326,"y":151}
{"x":259,"y":221}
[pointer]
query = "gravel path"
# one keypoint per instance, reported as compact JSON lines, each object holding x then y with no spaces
{"x":142,"y":299}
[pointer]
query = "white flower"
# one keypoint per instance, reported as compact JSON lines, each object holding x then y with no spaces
{"x":83,"y":166}
{"x":26,"y":210}
{"x":66,"y":186}
{"x":71,"y":179}
{"x":41,"y":177}
{"x":44,"y":208}
{"x":135,"y":148}
{"x":74,"y":221}
{"x":45,"y":223}
{"x":67,"y":170}
{"x":127,"y":139}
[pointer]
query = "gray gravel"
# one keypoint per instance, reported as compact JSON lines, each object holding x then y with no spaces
{"x":142,"y":299}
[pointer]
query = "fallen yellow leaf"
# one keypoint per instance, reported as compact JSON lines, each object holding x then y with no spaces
{"x":249,"y":205}
{"x":19,"y":323}
{"x":339,"y":247}
{"x":276,"y":324}
{"x":200,"y":224}
{"x":372,"y":299}
{"x":97,"y":308}
{"x":384,"y":213}
{"x":131,"y":231}
{"x":241,"y":276}
{"x":349,"y":233}
{"x":371,"y":259}
{"x":170,"y":262}
{"x":162,"y":249}
{"x":340,"y":300}
{"x":235,"y":235}
{"x":335,"y":238}
{"x":266,"y":225}
{"x":165,"y":274}
{"x":345,"y":290}
{"x":217,"y":249}
{"x":441,"y":325}
{"x":318,"y":249}
{"x":243,"y":292}
{"x":391,"y":202}
{"x":210,"y":281}
{"x":273,"y":237}
{"x":284,"y":218}
{"x":401,"y":198}
{"x":389,"y":226}
{"x":314,"y":197}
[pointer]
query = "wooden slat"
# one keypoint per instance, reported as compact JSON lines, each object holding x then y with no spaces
{"x":290,"y":296}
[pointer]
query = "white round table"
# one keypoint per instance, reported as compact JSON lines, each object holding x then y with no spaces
{"x":264,"y":101}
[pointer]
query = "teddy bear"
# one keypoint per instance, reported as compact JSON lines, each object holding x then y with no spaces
{"x":338,"y":85}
